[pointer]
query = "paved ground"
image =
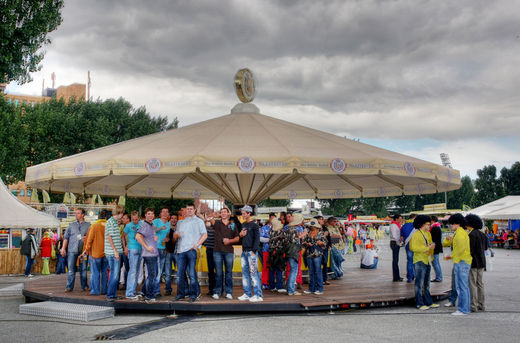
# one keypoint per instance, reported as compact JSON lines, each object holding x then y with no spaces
{"x":500,"y":323}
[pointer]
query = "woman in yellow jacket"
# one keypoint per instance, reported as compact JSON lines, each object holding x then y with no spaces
{"x":422,"y":247}
{"x":461,"y":257}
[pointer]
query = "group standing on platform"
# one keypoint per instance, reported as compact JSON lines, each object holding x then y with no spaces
{"x":150,"y":247}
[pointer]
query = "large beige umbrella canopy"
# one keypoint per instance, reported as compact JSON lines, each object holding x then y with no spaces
{"x":244,"y":157}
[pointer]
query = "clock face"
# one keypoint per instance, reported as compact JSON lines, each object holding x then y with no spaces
{"x":245,"y":85}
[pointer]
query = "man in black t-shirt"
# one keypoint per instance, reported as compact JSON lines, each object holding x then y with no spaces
{"x":226,"y":234}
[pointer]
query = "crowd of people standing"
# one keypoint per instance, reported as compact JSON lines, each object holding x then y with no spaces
{"x":148,"y":248}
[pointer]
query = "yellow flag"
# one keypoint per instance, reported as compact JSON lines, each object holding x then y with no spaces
{"x":45,"y":196}
{"x":34,"y":196}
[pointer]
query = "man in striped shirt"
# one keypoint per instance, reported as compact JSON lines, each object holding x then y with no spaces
{"x":113,"y":250}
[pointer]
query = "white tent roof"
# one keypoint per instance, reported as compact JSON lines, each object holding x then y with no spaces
{"x":244,"y":157}
{"x":14,"y":214}
{"x":506,"y":208}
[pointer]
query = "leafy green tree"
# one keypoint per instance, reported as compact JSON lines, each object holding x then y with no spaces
{"x":488,"y":186}
{"x":55,"y":129}
{"x":462,"y":196}
{"x":24,"y":26}
{"x":336,"y":207}
{"x":510,"y":179}
{"x":274,"y":203}
{"x":13,"y":139}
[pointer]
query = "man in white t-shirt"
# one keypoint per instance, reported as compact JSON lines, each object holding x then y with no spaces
{"x":369,"y":258}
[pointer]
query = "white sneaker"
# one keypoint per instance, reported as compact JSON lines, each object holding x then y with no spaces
{"x":215,"y":296}
{"x":243,"y":297}
{"x":307,"y":292}
{"x":449,"y":304}
{"x":255,"y":298}
{"x":282,"y":291}
{"x":30,"y":275}
{"x":318,"y":293}
{"x":229,"y":297}
{"x":458,"y":313}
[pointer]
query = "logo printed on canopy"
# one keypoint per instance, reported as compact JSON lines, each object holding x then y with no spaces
{"x":409,"y":168}
{"x":196,"y":193}
{"x":153,"y":165}
{"x":149,"y":192}
{"x":292,"y":194}
{"x":246,"y":164}
{"x":80,"y":168}
{"x":338,"y":165}
{"x":338,"y":193}
{"x":106,"y":189}
{"x":381,"y":191}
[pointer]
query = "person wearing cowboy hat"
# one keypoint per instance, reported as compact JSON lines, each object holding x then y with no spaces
{"x":294,"y":232}
{"x":315,"y":243}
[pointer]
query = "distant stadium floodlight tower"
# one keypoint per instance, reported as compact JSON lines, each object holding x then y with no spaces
{"x":446,"y":160}
{"x":447,"y":163}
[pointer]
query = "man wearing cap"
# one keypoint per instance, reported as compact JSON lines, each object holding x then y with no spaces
{"x":250,"y":236}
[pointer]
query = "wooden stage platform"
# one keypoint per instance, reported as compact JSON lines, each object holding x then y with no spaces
{"x":357,"y":289}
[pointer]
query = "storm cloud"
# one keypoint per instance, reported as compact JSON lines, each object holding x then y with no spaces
{"x":445,"y":70}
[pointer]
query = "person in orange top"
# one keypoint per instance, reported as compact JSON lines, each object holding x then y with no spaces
{"x":95,"y":248}
{"x":46,"y":245}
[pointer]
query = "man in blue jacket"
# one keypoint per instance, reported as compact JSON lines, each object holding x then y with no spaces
{"x":407,"y":232}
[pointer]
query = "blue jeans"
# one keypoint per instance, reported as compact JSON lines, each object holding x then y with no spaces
{"x":315,"y":276}
{"x":134,"y":261}
{"x":60,"y":264}
{"x":324,"y":265}
{"x":223,"y":260}
{"x":453,"y":294}
{"x":113,"y":279}
{"x":422,"y":284}
{"x":168,"y":259}
{"x":336,"y":260}
{"x":250,"y":275}
{"x":98,"y":276}
{"x":395,"y":260}
{"x":461,"y":271}
{"x":410,"y":274}
{"x":28,"y":264}
{"x":151,"y":266}
{"x":275,"y":278}
{"x":150,"y":263}
{"x":372,"y":266}
{"x":161,"y":262}
{"x":125,"y":262}
{"x":436,"y":264}
{"x":291,"y":280}
{"x":71,"y":273}
{"x":186,"y":261}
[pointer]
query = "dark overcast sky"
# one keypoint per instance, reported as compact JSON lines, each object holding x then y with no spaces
{"x":419,"y":77}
